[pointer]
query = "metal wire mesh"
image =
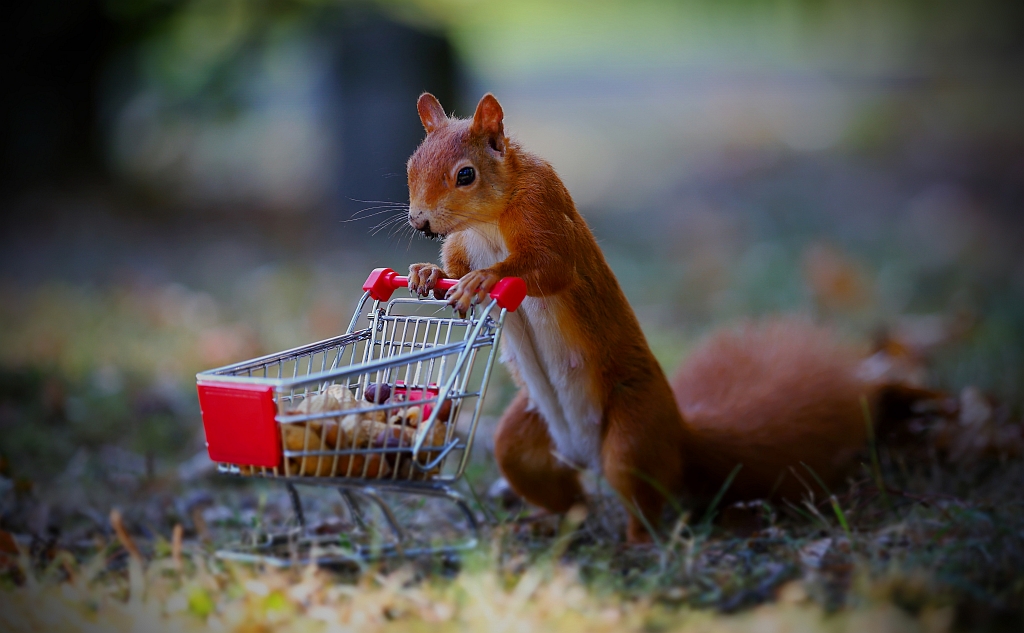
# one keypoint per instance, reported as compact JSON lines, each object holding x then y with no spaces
{"x":389,"y":403}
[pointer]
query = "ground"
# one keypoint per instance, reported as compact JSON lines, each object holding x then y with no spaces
{"x":107,"y":314}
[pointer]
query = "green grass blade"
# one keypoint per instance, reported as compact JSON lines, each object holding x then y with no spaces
{"x":635,"y":511}
{"x":816,"y":478}
{"x":810,"y":518}
{"x":661,"y":490}
{"x":836,"y":508}
{"x":876,"y":468}
{"x":710,"y":512}
{"x":842,"y":518}
{"x":479,"y":502}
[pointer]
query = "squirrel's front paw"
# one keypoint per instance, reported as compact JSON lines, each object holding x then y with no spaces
{"x":471,"y":289}
{"x":423,"y":278}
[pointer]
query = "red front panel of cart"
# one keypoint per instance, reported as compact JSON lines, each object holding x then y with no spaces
{"x":240,"y":424}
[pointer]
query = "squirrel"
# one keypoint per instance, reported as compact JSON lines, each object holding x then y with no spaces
{"x":591,"y":393}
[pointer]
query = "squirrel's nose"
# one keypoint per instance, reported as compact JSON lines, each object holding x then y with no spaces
{"x":417,"y":219}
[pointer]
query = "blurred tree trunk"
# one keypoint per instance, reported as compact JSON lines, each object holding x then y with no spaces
{"x":53,"y":54}
{"x":383,"y":66}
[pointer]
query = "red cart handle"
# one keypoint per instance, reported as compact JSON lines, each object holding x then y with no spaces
{"x":509,"y":291}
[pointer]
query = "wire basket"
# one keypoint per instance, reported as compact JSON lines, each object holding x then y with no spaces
{"x":392,"y":406}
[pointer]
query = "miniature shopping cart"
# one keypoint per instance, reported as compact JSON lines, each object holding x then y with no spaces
{"x":388,"y":409}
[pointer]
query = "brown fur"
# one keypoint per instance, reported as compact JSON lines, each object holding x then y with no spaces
{"x":552,"y":249}
{"x":523,"y":448}
{"x":769,"y":397}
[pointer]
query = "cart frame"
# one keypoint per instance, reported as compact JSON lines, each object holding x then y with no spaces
{"x":254,"y":413}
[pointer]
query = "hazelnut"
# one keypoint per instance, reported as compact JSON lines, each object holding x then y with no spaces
{"x":314,"y":404}
{"x":413,"y":416}
{"x":446,"y":411}
{"x":298,"y":437}
{"x":343,"y":395}
{"x":359,"y":431}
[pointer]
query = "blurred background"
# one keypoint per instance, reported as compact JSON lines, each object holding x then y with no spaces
{"x":187,"y":184}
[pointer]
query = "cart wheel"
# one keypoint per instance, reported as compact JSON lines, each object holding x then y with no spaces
{"x":451,"y":565}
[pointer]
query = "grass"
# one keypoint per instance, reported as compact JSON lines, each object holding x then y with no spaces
{"x":929,"y":537}
{"x":709,"y":514}
{"x":876,"y":470}
{"x":558,"y":590}
{"x":916,"y":567}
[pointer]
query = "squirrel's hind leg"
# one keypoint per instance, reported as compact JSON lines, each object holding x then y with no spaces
{"x":641,"y":455}
{"x":523,"y":448}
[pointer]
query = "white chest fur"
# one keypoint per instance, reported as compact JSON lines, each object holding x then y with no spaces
{"x":556,"y":378}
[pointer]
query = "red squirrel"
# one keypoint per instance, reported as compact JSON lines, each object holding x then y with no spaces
{"x":591,"y":394}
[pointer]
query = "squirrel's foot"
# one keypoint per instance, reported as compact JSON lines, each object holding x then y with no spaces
{"x":471,"y":289}
{"x":423,"y":278}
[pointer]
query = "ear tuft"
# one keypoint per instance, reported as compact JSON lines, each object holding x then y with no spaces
{"x":431,"y":113}
{"x":488,"y":121}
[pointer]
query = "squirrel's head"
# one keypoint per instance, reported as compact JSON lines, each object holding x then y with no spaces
{"x":457,"y":176}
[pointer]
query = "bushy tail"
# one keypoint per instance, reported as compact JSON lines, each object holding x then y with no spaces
{"x":779,"y":397}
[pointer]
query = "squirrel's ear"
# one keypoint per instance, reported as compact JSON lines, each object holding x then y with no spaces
{"x":487,"y":121}
{"x":431,"y":113}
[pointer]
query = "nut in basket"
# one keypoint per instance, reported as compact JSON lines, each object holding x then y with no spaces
{"x":337,"y":434}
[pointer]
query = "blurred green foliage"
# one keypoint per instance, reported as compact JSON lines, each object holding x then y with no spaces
{"x":191,"y":49}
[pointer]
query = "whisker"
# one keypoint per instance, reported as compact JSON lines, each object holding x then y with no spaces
{"x":381,"y":206}
{"x":394,"y":215}
{"x":375,"y":201}
{"x":392,"y":205}
{"x":390,"y":219}
{"x":397,"y":230}
{"x":383,"y":225}
{"x":354,"y":218}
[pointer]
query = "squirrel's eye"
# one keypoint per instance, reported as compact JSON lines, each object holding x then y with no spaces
{"x":465,"y":176}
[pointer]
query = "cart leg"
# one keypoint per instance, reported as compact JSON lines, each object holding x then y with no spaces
{"x":293,"y":494}
{"x":460,"y":501}
{"x":389,"y":516}
{"x":353,"y":508}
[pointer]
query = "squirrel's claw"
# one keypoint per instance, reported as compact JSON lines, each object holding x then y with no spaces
{"x":472,"y":289}
{"x":423,"y":278}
